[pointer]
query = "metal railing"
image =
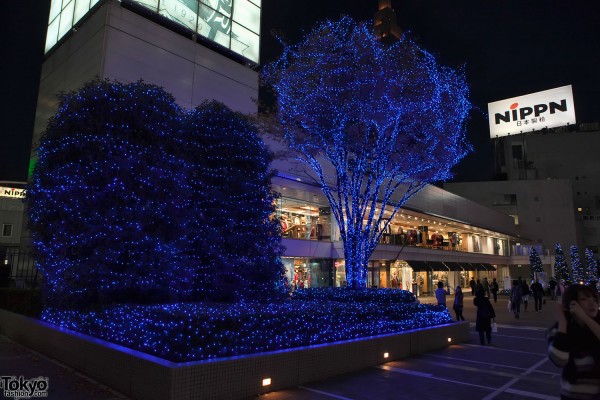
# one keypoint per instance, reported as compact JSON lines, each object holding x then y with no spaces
{"x":18,"y":269}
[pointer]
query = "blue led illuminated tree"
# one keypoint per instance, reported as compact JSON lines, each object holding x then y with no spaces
{"x":561,"y":269}
{"x":102,"y":205}
{"x":535,"y":262}
{"x":135,"y":200}
{"x":235,"y":238}
{"x":590,"y":272}
{"x":374,"y":124}
{"x":577,"y":274}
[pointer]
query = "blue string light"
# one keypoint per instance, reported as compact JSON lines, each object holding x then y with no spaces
{"x":560,"y":265}
{"x":591,"y":271}
{"x":535,"y":262}
{"x":197,"y":331}
{"x":136,"y":200}
{"x":386,"y":119}
{"x":578,"y":275}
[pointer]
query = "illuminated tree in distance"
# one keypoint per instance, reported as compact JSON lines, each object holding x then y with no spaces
{"x":576,"y":267}
{"x":535,"y":262}
{"x":560,"y":265}
{"x":374,"y":124}
{"x":590,"y":273}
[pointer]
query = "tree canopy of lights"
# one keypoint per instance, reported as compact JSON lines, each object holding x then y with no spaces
{"x":535,"y":262}
{"x":577,"y":273}
{"x":373,"y":123}
{"x":560,"y":265}
{"x":123,"y":210}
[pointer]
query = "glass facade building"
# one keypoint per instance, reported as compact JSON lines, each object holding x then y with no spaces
{"x":232,"y":24}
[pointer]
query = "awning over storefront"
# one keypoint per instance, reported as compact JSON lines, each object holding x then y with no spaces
{"x":449,"y":266}
{"x":470,"y":267}
{"x":437,"y":266}
{"x":488,"y":267}
{"x":453,"y":266}
{"x":478,"y":267}
{"x":419,"y":266}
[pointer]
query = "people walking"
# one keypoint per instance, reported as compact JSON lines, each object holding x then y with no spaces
{"x":574,"y":343}
{"x":478,"y":286}
{"x":472,"y":285}
{"x":458,"y":303}
{"x":538,"y":295}
{"x":485,"y":316}
{"x":516,"y":295}
{"x":560,"y":289}
{"x":495,"y":289}
{"x":552,"y":284}
{"x":440,"y":294}
{"x":486,"y":287}
{"x":525,"y":291}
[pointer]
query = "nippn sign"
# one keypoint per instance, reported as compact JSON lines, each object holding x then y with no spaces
{"x":547,"y":109}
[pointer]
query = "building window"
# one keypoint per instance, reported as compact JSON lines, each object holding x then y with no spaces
{"x":510,"y":199}
{"x":517,"y":152}
{"x":7,"y":230}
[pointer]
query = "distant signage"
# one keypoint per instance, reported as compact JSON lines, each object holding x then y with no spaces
{"x":546,"y":109}
{"x":12,"y":192}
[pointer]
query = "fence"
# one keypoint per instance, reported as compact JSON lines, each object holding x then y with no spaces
{"x":17,"y":269}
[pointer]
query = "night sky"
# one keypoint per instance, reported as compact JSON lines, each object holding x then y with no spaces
{"x":508,"y":47}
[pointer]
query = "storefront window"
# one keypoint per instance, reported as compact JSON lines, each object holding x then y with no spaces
{"x":304,"y":220}
{"x":308,"y":273}
{"x":439,"y":276}
{"x":340,"y":273}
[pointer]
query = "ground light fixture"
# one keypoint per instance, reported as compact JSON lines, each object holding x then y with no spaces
{"x":386,"y":355}
{"x":266,"y":382}
{"x":449,"y":340}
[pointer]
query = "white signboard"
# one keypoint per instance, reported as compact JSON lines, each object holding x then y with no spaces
{"x":12,"y":192}
{"x":547,"y":109}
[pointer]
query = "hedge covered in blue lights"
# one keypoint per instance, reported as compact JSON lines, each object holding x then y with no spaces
{"x":135,"y":200}
{"x":196,"y":331}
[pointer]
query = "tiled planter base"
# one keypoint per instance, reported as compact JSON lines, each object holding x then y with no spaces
{"x":145,"y":377}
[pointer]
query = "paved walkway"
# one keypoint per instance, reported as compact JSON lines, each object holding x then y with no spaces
{"x":514,"y":367}
{"x":63,"y":382}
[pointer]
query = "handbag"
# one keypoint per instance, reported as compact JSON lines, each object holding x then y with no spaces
{"x":494,"y":327}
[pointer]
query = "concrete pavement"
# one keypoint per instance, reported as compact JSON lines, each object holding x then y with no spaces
{"x":514,"y":366}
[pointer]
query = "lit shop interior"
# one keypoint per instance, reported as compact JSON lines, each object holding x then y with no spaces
{"x":311,"y":220}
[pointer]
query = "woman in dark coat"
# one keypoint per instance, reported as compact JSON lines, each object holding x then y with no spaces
{"x":485,"y":316}
{"x":575,"y":343}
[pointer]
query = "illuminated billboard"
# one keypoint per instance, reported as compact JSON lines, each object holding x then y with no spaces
{"x":12,"y":193}
{"x":233,"y":24}
{"x":546,"y":109}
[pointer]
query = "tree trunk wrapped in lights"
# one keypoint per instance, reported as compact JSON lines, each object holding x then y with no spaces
{"x":375,"y":124}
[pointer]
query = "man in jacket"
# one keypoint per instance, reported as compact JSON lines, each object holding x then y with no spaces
{"x":538,"y":294}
